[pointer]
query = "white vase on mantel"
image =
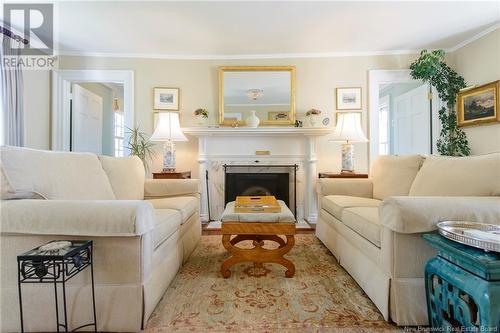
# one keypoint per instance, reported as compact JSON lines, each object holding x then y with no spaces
{"x":252,"y":121}
{"x":201,"y":120}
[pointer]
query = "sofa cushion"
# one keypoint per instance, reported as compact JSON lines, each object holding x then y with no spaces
{"x":126,"y":175}
{"x":335,"y":204}
{"x":393,"y":175}
{"x":364,"y":221}
{"x":186,"y":206}
{"x":56,"y":175}
{"x":167,"y":221}
{"x":458,"y":176}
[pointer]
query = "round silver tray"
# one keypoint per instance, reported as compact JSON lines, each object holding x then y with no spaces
{"x":454,"y":230}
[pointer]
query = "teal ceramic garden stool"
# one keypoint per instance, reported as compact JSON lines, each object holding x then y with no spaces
{"x":463,"y":287}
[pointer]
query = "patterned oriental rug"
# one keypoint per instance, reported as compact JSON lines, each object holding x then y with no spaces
{"x":321,"y":297}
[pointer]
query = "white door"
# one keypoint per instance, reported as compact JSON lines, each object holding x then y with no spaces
{"x":412,"y":122}
{"x":86,"y":121}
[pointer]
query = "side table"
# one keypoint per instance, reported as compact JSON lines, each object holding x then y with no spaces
{"x":342,"y":175}
{"x":172,"y":175}
{"x":463,"y":287}
{"x":56,"y":267}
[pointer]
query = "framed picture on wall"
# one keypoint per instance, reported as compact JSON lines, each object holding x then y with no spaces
{"x":348,"y":98}
{"x":166,"y":98}
{"x":479,"y":105}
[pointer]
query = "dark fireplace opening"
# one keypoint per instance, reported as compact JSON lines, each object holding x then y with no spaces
{"x":276,"y":184}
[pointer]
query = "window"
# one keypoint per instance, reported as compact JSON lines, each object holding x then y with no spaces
{"x":119,"y":133}
{"x":383,"y":126}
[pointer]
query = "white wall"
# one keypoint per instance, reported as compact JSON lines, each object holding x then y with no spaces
{"x":36,"y":109}
{"x":317,"y":79}
{"x":479,"y":63}
{"x":198,"y":79}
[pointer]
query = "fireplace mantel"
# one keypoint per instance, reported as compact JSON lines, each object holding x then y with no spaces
{"x":239,"y":146}
{"x":259,"y":131}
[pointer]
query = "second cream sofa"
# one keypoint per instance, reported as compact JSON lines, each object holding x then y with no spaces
{"x":374,"y":226}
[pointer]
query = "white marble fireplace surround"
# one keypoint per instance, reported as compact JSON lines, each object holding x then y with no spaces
{"x":238,"y":146}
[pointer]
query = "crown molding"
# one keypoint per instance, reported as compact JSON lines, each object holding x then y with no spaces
{"x":475,"y":37}
{"x":270,"y":55}
{"x":237,"y":56}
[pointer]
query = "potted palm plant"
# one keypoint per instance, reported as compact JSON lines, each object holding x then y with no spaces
{"x":140,"y":146}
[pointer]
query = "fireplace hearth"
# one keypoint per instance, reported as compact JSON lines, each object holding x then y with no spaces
{"x":253,"y":180}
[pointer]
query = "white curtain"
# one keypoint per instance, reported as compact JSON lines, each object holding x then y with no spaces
{"x":11,"y":80}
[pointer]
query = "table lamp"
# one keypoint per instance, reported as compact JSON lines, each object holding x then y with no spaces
{"x":168,"y":130}
{"x":348,"y":129}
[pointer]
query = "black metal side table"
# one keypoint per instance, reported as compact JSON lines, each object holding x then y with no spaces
{"x":57,"y":267}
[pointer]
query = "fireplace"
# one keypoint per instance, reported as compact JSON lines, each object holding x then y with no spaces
{"x":277,"y":180}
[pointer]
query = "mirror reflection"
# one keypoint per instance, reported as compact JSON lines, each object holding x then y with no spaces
{"x":267,"y":93}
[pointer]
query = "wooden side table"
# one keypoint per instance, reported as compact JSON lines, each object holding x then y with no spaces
{"x":463,"y":287}
{"x":342,"y":175}
{"x":172,"y":175}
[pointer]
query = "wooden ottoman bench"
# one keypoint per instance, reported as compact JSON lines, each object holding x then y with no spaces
{"x":257,"y":227}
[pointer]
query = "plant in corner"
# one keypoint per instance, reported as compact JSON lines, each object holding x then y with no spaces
{"x":431,"y":67}
{"x":140,"y":146}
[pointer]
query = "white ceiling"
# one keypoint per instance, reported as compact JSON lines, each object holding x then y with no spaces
{"x":268,"y":29}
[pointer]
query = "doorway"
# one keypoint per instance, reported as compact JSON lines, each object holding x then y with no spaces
{"x":91,"y":111}
{"x":403,"y":115}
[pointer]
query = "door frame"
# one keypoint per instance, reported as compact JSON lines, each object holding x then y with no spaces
{"x":375,"y":78}
{"x":61,"y":96}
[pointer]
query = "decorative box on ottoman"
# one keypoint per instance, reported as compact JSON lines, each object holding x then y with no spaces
{"x":258,"y":227}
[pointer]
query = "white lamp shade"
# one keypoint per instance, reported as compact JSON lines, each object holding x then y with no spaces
{"x":168,"y":128}
{"x":348,"y":128}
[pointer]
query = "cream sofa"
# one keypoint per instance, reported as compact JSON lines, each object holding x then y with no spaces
{"x":374,"y":226}
{"x":143,"y":230}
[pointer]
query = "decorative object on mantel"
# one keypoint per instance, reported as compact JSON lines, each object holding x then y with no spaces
{"x":430,"y":67}
{"x":298,"y":123}
{"x":168,"y":130}
{"x":479,"y":105}
{"x":348,"y":98}
{"x":348,"y":129}
{"x":166,"y":98}
{"x":252,"y":121}
{"x":201,"y":116}
{"x":140,"y":146}
{"x":326,"y":121}
{"x":313,"y":115}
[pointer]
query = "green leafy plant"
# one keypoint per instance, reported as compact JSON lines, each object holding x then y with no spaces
{"x":201,"y":112}
{"x":313,"y":112}
{"x":140,"y":145}
{"x":431,"y":67}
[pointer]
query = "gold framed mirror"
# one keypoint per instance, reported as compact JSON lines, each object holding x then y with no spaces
{"x":267,"y":91}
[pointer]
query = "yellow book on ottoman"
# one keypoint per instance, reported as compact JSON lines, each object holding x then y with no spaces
{"x":252,"y":204}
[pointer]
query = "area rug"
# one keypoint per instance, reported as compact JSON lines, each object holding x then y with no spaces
{"x":321,"y":297}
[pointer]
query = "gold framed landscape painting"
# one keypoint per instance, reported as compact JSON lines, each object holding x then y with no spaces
{"x":479,"y":105}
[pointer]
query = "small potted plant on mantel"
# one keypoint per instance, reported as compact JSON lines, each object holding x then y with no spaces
{"x":313,"y":116}
{"x":201,"y":116}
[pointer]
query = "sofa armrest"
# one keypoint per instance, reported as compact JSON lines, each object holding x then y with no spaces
{"x":162,"y":188}
{"x":352,"y":187}
{"x":77,"y":217}
{"x":421,"y":214}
